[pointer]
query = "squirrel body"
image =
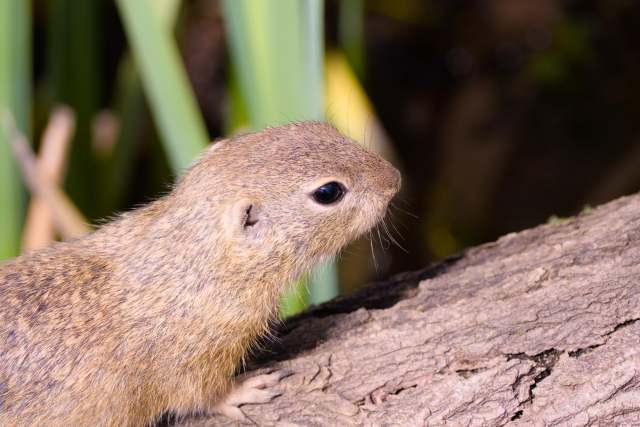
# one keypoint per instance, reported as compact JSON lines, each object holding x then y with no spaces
{"x":153,"y":312}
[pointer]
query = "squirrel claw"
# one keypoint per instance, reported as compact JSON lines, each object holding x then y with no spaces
{"x":284,"y":373}
{"x":249,"y":389}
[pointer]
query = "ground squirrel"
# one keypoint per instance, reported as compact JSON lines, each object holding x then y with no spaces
{"x":153,"y":312}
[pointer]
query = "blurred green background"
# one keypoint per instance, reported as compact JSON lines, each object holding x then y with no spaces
{"x":499,"y":113}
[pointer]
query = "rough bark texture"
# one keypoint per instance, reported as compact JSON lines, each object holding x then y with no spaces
{"x":539,"y":328}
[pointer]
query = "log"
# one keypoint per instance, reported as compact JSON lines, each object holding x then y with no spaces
{"x":538,"y":328}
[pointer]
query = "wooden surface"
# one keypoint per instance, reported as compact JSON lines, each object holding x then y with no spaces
{"x":539,"y":328}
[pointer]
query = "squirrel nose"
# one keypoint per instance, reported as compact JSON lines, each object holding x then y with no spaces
{"x":396,"y":179}
{"x":391,"y":181}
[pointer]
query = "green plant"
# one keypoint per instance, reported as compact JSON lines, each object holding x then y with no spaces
{"x":164,"y":79}
{"x":15,"y":82}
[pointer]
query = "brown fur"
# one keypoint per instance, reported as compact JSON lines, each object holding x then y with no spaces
{"x":154,"y":311}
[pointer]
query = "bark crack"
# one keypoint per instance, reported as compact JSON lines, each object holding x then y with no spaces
{"x":623,"y":325}
{"x":546,"y":360}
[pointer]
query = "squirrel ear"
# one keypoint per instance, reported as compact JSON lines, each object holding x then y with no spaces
{"x":246,"y":217}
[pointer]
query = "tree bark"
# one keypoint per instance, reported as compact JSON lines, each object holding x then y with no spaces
{"x":538,"y":328}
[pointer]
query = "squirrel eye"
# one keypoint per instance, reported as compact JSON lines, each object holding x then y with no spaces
{"x":328,"y":193}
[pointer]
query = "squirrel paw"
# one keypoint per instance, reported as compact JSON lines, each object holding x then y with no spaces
{"x":249,"y":389}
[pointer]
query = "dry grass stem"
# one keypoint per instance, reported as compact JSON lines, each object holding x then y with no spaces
{"x":66,"y":217}
{"x":39,"y":230}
